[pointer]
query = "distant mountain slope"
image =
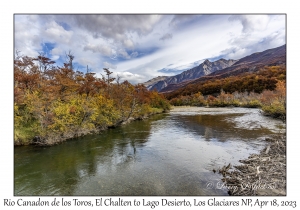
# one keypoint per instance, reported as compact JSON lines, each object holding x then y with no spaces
{"x":249,"y":63}
{"x":273,"y":56}
{"x":203,"y":69}
{"x":153,"y":81}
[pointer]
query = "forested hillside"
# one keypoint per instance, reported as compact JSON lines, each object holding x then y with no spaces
{"x":265,"y":88}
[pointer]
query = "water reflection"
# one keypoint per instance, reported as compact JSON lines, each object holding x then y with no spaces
{"x":56,"y":170}
{"x":169,"y":154}
{"x":219,"y":127}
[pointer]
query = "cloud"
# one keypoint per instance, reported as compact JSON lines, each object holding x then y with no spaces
{"x":251,"y":23}
{"x":56,"y":51}
{"x":27,"y":36}
{"x":56,"y":33}
{"x":92,"y":63}
{"x":144,"y":44}
{"x":131,"y":77}
{"x":134,"y":54}
{"x":102,"y":49}
{"x":177,"y":69}
{"x":170,"y":71}
{"x":123,"y":54}
{"x":116,"y":27}
{"x":244,"y":45}
{"x":275,"y":39}
{"x":109,"y":65}
{"x":234,"y":52}
{"x":55,"y":57}
{"x":108,"y":35}
{"x":166,"y":37}
{"x":128,"y":43}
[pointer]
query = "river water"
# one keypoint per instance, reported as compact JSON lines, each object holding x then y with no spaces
{"x":167,"y":154}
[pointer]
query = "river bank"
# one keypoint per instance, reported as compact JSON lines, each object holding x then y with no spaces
{"x":54,"y":138}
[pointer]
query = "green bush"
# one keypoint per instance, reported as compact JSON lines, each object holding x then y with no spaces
{"x":253,"y":104}
{"x":276,"y":110}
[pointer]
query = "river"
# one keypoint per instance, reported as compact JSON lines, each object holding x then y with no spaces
{"x":168,"y":154}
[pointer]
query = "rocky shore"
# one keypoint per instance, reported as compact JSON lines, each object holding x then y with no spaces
{"x":262,"y":174}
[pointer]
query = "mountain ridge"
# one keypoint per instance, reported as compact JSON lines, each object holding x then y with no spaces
{"x":154,"y":80}
{"x":204,"y":68}
{"x":250,"y":63}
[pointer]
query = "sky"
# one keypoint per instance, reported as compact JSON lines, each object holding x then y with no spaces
{"x":139,"y":47}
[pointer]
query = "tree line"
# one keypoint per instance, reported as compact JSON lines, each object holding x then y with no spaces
{"x":54,"y":103}
{"x":264,"y":79}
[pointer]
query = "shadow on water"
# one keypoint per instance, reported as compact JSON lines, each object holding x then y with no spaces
{"x":167,"y":154}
